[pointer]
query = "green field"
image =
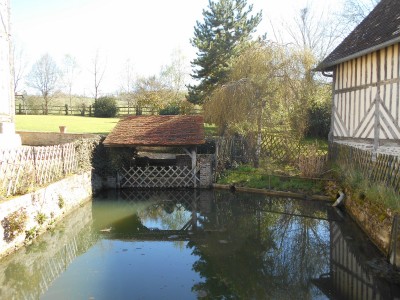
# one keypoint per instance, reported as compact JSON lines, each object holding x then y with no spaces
{"x":75,"y":124}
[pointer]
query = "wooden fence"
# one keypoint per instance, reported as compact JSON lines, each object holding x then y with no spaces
{"x":278,"y":146}
{"x":89,"y":111}
{"x":24,"y":167}
{"x":383,"y":168}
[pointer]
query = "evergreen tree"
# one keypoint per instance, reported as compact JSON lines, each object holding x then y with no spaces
{"x":227,"y":24}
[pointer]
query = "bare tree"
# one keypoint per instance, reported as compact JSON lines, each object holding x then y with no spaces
{"x":44,"y":77}
{"x":175,"y":74}
{"x":70,"y":71}
{"x":127,"y":84}
{"x":318,"y":33}
{"x":99,"y":68}
{"x":354,"y":11}
{"x":20,"y":65}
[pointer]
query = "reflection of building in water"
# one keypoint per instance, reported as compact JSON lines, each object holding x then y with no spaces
{"x":354,"y":267}
{"x":28,"y":273}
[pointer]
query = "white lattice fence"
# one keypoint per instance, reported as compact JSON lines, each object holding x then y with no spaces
{"x":48,"y":163}
{"x":21,"y":168}
{"x":157,"y":177}
{"x":16,"y":168}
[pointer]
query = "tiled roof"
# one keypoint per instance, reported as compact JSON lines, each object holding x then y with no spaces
{"x":381,"y":28}
{"x":180,"y":130}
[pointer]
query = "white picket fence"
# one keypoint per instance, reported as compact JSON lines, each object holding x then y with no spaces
{"x":24,"y":167}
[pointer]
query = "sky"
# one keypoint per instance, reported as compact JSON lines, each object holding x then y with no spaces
{"x":146,"y":32}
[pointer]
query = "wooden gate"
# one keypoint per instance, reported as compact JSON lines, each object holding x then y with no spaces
{"x":157,"y":177}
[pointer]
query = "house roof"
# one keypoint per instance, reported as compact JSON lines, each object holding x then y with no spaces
{"x":380,"y":29}
{"x":179,"y":130}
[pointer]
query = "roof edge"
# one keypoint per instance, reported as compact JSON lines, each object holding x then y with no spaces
{"x":328,"y":67}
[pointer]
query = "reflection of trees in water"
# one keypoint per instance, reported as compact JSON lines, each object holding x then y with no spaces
{"x":169,"y":214}
{"x":258,"y":254}
{"x":249,"y":246}
{"x":165,"y":209}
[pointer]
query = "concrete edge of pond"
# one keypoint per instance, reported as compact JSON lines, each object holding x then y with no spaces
{"x":272,"y":193}
{"x":24,"y":217}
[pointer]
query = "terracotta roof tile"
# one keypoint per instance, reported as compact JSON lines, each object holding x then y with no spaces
{"x":379,"y":29}
{"x":180,"y":130}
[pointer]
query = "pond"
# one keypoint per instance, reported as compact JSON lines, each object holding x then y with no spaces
{"x":191,"y":244}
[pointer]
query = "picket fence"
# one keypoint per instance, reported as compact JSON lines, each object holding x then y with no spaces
{"x":25,"y":167}
{"x":383,"y":168}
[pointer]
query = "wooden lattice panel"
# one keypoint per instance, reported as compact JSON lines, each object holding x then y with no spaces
{"x":281,"y":147}
{"x":21,"y":168}
{"x":157,"y":177}
{"x":16,"y":165}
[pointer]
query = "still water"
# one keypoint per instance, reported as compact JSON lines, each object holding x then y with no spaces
{"x":199,"y":245}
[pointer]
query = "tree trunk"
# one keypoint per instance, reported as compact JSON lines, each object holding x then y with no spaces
{"x":259,"y":137}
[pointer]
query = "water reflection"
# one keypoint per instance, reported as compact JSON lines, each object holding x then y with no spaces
{"x":29,"y":272}
{"x":189,"y":244}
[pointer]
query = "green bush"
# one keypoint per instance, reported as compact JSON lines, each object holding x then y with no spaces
{"x":105,"y":107}
{"x":172,"y":109}
{"x":319,"y":121}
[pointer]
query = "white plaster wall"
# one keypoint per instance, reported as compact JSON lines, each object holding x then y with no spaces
{"x":6,"y":74}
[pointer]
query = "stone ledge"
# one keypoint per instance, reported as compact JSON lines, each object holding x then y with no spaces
{"x":74,"y":190}
{"x":272,"y":193}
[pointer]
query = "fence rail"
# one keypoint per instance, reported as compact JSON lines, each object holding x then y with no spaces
{"x":89,"y":111}
{"x":22,"y":168}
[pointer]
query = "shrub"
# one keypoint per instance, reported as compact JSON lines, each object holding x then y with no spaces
{"x":40,"y":218}
{"x":61,"y":201}
{"x":319,"y":120}
{"x":14,"y":224}
{"x":312,"y":163}
{"x":105,"y":107}
{"x":31,"y":234}
{"x":172,"y":109}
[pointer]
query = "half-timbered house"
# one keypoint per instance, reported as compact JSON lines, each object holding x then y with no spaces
{"x":366,"y":82}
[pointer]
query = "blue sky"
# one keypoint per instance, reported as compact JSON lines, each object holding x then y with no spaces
{"x":145,"y":32}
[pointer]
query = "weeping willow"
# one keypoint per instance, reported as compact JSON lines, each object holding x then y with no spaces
{"x":240,"y":105}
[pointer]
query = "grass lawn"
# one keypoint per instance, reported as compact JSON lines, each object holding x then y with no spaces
{"x":247,"y":176}
{"x":75,"y":124}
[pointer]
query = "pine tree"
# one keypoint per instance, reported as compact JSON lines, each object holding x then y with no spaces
{"x":227,"y":25}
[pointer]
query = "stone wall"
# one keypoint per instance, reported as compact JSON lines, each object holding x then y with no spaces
{"x":46,"y":206}
{"x":206,"y":173}
{"x":373,"y":220}
{"x":50,"y":138}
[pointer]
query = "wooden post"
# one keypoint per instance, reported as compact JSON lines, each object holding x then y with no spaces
{"x":192,"y":153}
{"x":194,"y":160}
{"x":376,"y":121}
